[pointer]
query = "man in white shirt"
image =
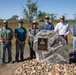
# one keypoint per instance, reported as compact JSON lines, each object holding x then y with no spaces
{"x":62,"y":28}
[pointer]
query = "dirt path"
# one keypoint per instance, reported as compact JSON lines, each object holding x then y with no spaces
{"x":9,"y":68}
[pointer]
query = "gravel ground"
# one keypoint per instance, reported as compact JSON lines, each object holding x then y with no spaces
{"x":33,"y":67}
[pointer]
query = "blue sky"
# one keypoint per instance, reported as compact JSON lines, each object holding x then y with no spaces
{"x":8,"y":8}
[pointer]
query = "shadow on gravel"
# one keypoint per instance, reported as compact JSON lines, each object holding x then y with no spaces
{"x":71,"y":58}
{"x":28,"y":58}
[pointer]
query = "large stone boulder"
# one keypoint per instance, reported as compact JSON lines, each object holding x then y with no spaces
{"x":55,"y":51}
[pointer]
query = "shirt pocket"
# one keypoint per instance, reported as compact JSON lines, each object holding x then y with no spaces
{"x":37,"y":30}
{"x":9,"y":34}
{"x":32,"y":32}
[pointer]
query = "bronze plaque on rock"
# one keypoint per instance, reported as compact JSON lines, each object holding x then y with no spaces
{"x":42,"y":44}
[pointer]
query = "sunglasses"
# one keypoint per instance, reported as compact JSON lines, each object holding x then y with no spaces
{"x":61,"y":18}
{"x":46,"y":18}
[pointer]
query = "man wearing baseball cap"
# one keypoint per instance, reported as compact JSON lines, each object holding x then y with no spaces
{"x":6,"y":36}
{"x":20,"y":35}
{"x":47,"y":25}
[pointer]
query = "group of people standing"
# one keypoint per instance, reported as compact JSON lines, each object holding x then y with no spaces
{"x":6,"y":35}
{"x":20,"y":33}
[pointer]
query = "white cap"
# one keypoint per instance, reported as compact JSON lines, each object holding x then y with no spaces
{"x":46,"y":17}
{"x":5,"y":22}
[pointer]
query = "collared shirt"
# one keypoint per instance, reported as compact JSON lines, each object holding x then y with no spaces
{"x":21,"y":33}
{"x":49,"y":26}
{"x":33,"y":31}
{"x":62,"y":28}
{"x":6,"y":33}
{"x":74,"y":29}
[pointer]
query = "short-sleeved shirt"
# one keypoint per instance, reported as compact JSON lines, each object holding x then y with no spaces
{"x":49,"y":26}
{"x":6,"y":33}
{"x":33,"y":31}
{"x":21,"y":33}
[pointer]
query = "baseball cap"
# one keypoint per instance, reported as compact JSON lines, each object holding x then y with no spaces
{"x":5,"y":22}
{"x":20,"y":21}
{"x":46,"y":17}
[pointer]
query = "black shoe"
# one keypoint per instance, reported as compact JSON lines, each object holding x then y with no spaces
{"x":17,"y":61}
{"x":31,"y":58}
{"x":9,"y":61}
{"x":22,"y":60}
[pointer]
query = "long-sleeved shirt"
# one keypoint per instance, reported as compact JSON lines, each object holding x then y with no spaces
{"x":62,"y":28}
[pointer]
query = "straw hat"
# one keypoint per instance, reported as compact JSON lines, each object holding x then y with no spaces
{"x":35,"y":21}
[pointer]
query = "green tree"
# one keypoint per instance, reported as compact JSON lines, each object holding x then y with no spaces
{"x":14,"y":17}
{"x":31,"y":11}
{"x":41,"y":15}
{"x":53,"y":16}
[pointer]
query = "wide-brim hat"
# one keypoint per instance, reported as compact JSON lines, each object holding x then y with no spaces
{"x":35,"y":21}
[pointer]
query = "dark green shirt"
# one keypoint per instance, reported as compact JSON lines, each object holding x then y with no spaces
{"x":21,"y":33}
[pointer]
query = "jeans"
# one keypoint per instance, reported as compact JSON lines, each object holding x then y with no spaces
{"x":9,"y":48}
{"x":19,"y":50}
{"x":74,"y":46}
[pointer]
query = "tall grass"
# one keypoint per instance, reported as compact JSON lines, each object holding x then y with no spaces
{"x":13,"y":25}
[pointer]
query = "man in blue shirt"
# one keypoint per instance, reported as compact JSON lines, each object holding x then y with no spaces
{"x":74,"y":39}
{"x":20,"y":35}
{"x":47,"y":25}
